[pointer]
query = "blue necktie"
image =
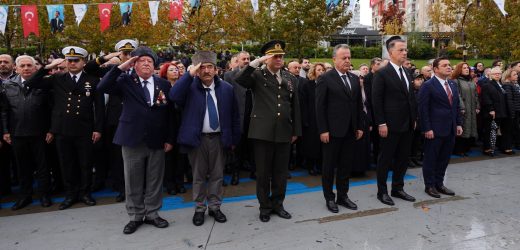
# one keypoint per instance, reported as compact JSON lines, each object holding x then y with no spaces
{"x":147,"y":93}
{"x":212,"y":111}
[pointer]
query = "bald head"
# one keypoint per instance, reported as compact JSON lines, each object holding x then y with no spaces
{"x":294,"y":67}
{"x":6,"y":66}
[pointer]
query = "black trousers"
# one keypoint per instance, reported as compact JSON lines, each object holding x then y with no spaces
{"x":506,"y":129}
{"x":115,"y":160}
{"x":437,"y":154}
{"x":29,"y":153}
{"x":175,"y":166}
{"x":6,"y":157}
{"x":271,"y":170}
{"x":417,"y":144}
{"x":393,"y":155}
{"x":339,"y":154}
{"x":53,"y":163}
{"x":75,"y":153}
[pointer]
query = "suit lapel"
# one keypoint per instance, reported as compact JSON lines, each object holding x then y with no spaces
{"x":155,"y":89}
{"x":441,"y":91}
{"x":337,"y":79}
{"x":397,"y":77}
{"x":138,"y":88}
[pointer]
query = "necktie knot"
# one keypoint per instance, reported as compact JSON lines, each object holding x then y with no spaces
{"x":75,"y":78}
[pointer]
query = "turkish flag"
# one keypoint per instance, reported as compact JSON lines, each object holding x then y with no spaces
{"x":176,"y":10}
{"x":105,"y":9}
{"x":30,"y":20}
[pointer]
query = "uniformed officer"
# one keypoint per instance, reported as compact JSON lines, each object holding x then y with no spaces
{"x":275,"y":124}
{"x":77,"y":121}
{"x":114,"y":106}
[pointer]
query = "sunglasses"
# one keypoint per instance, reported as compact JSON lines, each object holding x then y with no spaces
{"x":73,"y":60}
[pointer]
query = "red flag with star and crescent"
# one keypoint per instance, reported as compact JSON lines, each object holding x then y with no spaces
{"x":105,"y":9}
{"x":30,"y":20}
{"x":176,"y":10}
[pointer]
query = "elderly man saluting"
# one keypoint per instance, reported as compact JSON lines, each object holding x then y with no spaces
{"x":144,"y":132}
{"x":210,"y":124}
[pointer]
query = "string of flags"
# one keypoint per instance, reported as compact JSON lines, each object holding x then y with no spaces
{"x":56,"y":14}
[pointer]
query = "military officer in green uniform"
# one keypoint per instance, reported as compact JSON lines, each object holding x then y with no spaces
{"x":275,"y":124}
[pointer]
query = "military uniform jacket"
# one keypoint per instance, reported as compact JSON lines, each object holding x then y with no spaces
{"x":276,"y":110}
{"x":78,"y":108}
{"x":24,"y":111}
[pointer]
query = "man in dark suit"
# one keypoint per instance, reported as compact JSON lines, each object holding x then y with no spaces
{"x":244,"y":150}
{"x":77,"y":121}
{"x":26,"y":118}
{"x":395,"y":113}
{"x":367,"y":86}
{"x":275,"y":124}
{"x":114,"y":107}
{"x":126,"y":16}
{"x":338,"y":108}
{"x":440,"y":121}
{"x":145,"y":134}
{"x":56,"y":23}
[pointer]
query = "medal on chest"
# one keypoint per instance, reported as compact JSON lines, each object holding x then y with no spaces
{"x":88,"y":88}
{"x":161,"y":98}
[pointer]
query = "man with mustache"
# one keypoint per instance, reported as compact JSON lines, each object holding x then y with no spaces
{"x":210,"y":125}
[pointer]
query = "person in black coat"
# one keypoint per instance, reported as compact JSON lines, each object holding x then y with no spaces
{"x":25,"y":118}
{"x":395,"y":114}
{"x":77,"y":122}
{"x":361,"y":162}
{"x":495,"y":107}
{"x":512,"y":94}
{"x":310,"y":137}
{"x":375,"y":65}
{"x":339,"y":105}
{"x":510,"y":80}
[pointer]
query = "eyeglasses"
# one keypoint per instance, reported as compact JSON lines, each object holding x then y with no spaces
{"x":75,"y":60}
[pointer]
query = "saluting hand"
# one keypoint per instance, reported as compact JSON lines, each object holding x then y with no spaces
{"x":54,"y":63}
{"x":128,"y":64}
{"x":194,"y":69}
{"x":111,"y":55}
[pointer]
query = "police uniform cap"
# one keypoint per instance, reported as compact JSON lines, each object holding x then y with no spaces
{"x":126,"y":45}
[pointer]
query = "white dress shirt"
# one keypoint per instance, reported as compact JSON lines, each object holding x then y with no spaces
{"x":149,"y":86}
{"x":78,"y":75}
{"x":399,"y":74}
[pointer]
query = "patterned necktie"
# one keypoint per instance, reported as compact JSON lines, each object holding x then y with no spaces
{"x":147,"y":93}
{"x":212,"y":110}
{"x":345,"y":81}
{"x":403,"y":79}
{"x":448,"y":92}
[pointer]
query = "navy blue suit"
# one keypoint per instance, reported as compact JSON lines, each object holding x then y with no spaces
{"x":139,"y":122}
{"x":437,"y":114}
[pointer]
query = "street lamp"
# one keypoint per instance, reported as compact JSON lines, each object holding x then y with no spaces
{"x":465,"y":49}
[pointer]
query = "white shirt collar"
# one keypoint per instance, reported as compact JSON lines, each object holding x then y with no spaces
{"x":340,"y":74}
{"x":396,"y":67}
{"x":149,"y":80}
{"x":78,"y":75}
{"x":212,"y":86}
{"x":441,"y":80}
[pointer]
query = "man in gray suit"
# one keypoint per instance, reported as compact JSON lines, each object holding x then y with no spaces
{"x":244,"y":97}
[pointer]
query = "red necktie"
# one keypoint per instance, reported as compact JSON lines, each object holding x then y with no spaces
{"x":448,"y":91}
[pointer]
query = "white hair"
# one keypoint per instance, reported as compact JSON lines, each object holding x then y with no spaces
{"x":18,"y":59}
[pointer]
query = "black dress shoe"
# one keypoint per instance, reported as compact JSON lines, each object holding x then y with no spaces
{"x":402,"y":195}
{"x":252,"y":175}
{"x":21,"y":203}
{"x":181,"y":189}
{"x":385,"y":199}
{"x":45,"y":201}
{"x":332,"y":206}
{"x":218,"y":215}
{"x":444,"y":190}
{"x":68,"y":202}
{"x":431,"y":191}
{"x":198,"y":218}
{"x":172,"y":191}
{"x":282,"y":213}
{"x":88,"y":200}
{"x":132,"y":226}
{"x":346,"y":202}
{"x":235,"y":179}
{"x":157,"y":222}
{"x":264,"y":217}
{"x":120,"y":197}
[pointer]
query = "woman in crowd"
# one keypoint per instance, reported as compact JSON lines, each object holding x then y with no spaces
{"x":495,"y":108}
{"x":479,"y":69}
{"x":512,"y":89}
{"x":311,"y":137}
{"x":471,"y":107}
{"x":175,"y":162}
